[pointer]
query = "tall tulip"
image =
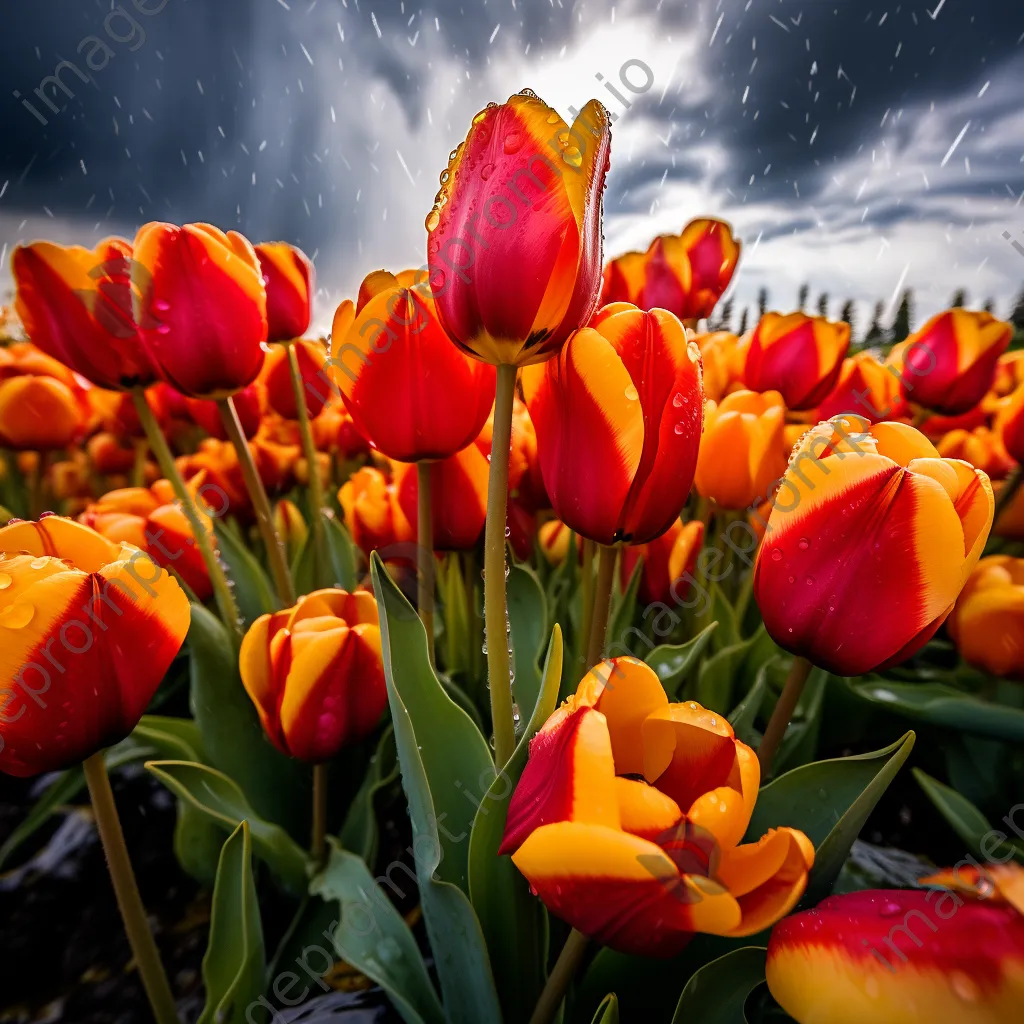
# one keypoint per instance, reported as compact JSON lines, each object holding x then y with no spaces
{"x":511,"y":288}
{"x":289,"y":280}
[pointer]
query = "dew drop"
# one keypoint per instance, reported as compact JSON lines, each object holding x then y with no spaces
{"x":679,"y":428}
{"x":444,"y":176}
{"x":792,"y":579}
{"x":809,"y":580}
{"x":162,"y":305}
{"x":891,"y":909}
{"x":479,"y":117}
{"x":572,"y":156}
{"x":776,"y":555}
{"x":631,"y":393}
{"x":553,"y":118}
{"x":513,"y":142}
{"x":803,"y":544}
{"x":693,"y":707}
{"x":486,"y":171}
{"x":693,"y":351}
{"x":433,"y":219}
{"x":5,"y":581}
{"x":678,"y":400}
{"x":163,"y":329}
{"x":16,"y":615}
{"x":966,"y":988}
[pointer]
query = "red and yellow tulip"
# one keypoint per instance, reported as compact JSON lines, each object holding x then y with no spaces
{"x":249,"y":403}
{"x":373,"y":513}
{"x":1009,"y":424}
{"x":277,"y":378}
{"x":667,"y":559}
{"x":289,"y":281}
{"x":90,"y":627}
{"x":629,"y":817}
{"x":981,"y":447}
{"x":315,"y":674}
{"x":867,"y":388}
{"x":39,"y":413}
{"x":871,"y":537}
{"x":988,"y":621}
{"x":514,"y":237}
{"x":618,"y":417}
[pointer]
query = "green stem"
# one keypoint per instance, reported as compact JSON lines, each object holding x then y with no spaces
{"x":316,"y":497}
{"x":204,"y":541}
{"x":495,"y":596}
{"x":318,"y":845}
{"x":1007,"y":493}
{"x":586,"y":598}
{"x":140,"y":938}
{"x":562,"y":973}
{"x":260,"y":502}
{"x":606,"y":555}
{"x":784,"y":708}
{"x":425,"y":554}
{"x":139,"y":465}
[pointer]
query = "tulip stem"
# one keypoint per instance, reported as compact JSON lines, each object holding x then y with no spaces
{"x":1007,"y":493}
{"x":316,"y":497}
{"x":425,"y":554}
{"x":260,"y":502}
{"x":558,"y":981}
{"x":204,"y":541}
{"x":495,"y":595}
{"x":586,"y":598}
{"x":606,"y":555}
{"x":784,"y":708}
{"x":139,"y":465}
{"x":318,"y":846}
{"x":126,"y":889}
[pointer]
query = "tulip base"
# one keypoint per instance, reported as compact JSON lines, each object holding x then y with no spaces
{"x":126,"y":889}
{"x":563,"y":972}
{"x":425,"y":554}
{"x":784,"y":708}
{"x":606,"y":557}
{"x":586,"y":600}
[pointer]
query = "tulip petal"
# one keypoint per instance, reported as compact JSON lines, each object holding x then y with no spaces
{"x":61,"y":538}
{"x":645,"y":811}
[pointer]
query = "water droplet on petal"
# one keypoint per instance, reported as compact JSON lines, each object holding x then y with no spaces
{"x":486,"y":171}
{"x":776,"y":555}
{"x":891,"y":909}
{"x":572,"y":156}
{"x":163,"y":329}
{"x":5,"y":581}
{"x":693,"y":351}
{"x":553,"y":118}
{"x":16,"y":615}
{"x":513,"y":141}
{"x":433,"y":219}
{"x":803,"y":544}
{"x":631,"y":393}
{"x":162,"y":305}
{"x":39,"y":563}
{"x":679,"y":428}
{"x":809,"y":580}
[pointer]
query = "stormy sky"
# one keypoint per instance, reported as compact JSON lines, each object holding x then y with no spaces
{"x":862,"y":146}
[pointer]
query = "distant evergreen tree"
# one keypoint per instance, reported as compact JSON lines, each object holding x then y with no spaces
{"x":902,"y":323}
{"x":875,"y":332}
{"x":762,"y":302}
{"x":801,"y":299}
{"x":846,"y":315}
{"x":959,"y":299}
{"x":743,"y":320}
{"x":724,"y":322}
{"x":990,"y":305}
{"x":1017,"y":315}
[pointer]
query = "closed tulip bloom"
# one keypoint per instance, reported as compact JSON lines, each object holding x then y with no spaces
{"x":718,"y":358}
{"x":892,"y":956}
{"x":667,"y":561}
{"x":950,"y":363}
{"x":315,"y":674}
{"x":373,"y":513}
{"x":742,"y":450}
{"x":629,"y":817}
{"x":712,"y":253}
{"x":39,"y":413}
{"x":553,"y":539}
{"x":108,"y":454}
{"x":408,"y":389}
{"x":987,"y":623}
{"x":249,"y":404}
{"x":106,"y":614}
{"x":514,"y":238}
{"x":290,"y":526}
{"x":1009,"y":373}
{"x":618,"y":417}
{"x":76,"y":305}
{"x":1009,"y":424}
{"x":981,"y":447}
{"x":201,"y":307}
{"x":867,"y":388}
{"x":335,"y":431}
{"x":276,"y":376}
{"x":624,"y":278}
{"x":871,"y":538}
{"x":289,"y":281}
{"x":799,"y":356}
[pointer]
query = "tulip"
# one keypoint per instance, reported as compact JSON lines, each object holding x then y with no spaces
{"x":408,"y":389}
{"x":111,"y":619}
{"x":108,"y":455}
{"x":624,"y":278}
{"x":289,"y":281}
{"x":669,"y":561}
{"x":899,"y":956}
{"x":1009,"y":373}
{"x":38,"y":413}
{"x":718,"y":358}
{"x":865,"y":387}
{"x":373,"y":513}
{"x":525,"y":484}
{"x":871,"y":538}
{"x":1009,"y":424}
{"x":981,"y":447}
{"x":290,"y":526}
{"x":618,"y":418}
{"x":515,"y":296}
{"x":24,"y":358}
{"x":76,"y":305}
{"x":742,"y":452}
{"x":315,"y":674}
{"x":277,"y":377}
{"x":553,"y":539}
{"x":629,"y":816}
{"x":950,"y":363}
{"x":249,"y":404}
{"x":209,"y":307}
{"x":988,"y":620}
{"x":335,"y":430}
{"x":799,"y":356}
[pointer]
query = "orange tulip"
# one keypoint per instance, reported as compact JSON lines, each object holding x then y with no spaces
{"x":870,"y":540}
{"x":797,"y":355}
{"x":408,"y":389}
{"x":865,"y":387}
{"x":335,"y":430}
{"x":90,"y":628}
{"x":38,"y":413}
{"x":315,"y":674}
{"x":668,"y":559}
{"x":618,"y":417}
{"x":290,"y":526}
{"x":553,"y":538}
{"x":289,"y":281}
{"x":108,"y":455}
{"x":312,"y":357}
{"x":525,"y":484}
{"x":628,"y":818}
{"x":950,"y":363}
{"x":742,"y":451}
{"x":1009,"y":424}
{"x":981,"y":447}
{"x":1009,"y":373}
{"x":373,"y":513}
{"x":718,"y":357}
{"x":897,"y":956}
{"x":988,"y":621}
{"x":201,"y":307}
{"x":515,"y":296}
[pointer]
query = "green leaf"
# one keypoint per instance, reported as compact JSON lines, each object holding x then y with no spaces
{"x":528,"y":616}
{"x":278,"y":787}
{"x":373,"y":938}
{"x":723,"y":613}
{"x":966,"y":820}
{"x":801,"y":740}
{"x":359,"y":832}
{"x":718,"y":674}
{"x":608,"y":1011}
{"x":221,"y":800}
{"x":252,"y":589}
{"x":444,"y":760}
{"x":717,"y":993}
{"x":674,"y":662}
{"x":745,"y":713}
{"x":197,"y":843}
{"x":943,"y":705}
{"x":342,"y":559}
{"x":829,"y":801}
{"x":234,"y":961}
{"x":514,"y":923}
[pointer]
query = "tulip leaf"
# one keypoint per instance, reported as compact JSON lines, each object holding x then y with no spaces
{"x":608,"y":1011}
{"x":674,"y":662}
{"x":829,"y":801}
{"x":717,"y":993}
{"x":717,"y":675}
{"x":938,"y":704}
{"x":513,"y":922}
{"x":722,"y":612}
{"x":223,"y":802}
{"x":373,"y":938}
{"x":968,"y":822}
{"x":801,"y":740}
{"x":623,"y":609}
{"x":340,"y":567}
{"x":234,"y":962}
{"x":359,"y":832}
{"x":528,"y":616}
{"x":444,"y":761}
{"x":745,"y":713}
{"x":197,"y":843}
{"x":253,"y":592}
{"x":277,"y":786}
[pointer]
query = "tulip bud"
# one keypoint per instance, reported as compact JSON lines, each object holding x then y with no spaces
{"x":290,"y":526}
{"x":373,"y":513}
{"x":288,"y":278}
{"x":553,"y":538}
{"x":38,"y":412}
{"x":277,"y":376}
